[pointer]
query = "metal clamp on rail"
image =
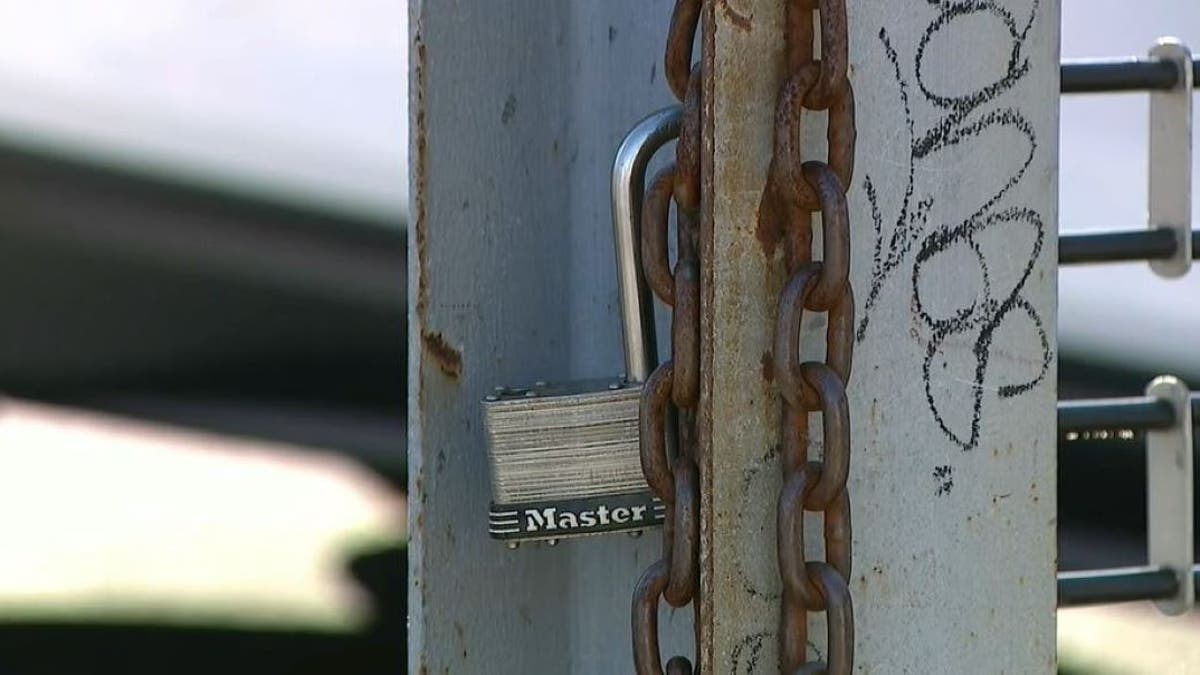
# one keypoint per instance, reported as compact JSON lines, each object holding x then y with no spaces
{"x":1169,"y":494}
{"x":1170,"y":190}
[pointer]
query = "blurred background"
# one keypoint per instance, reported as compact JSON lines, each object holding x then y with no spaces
{"x":202,"y":360}
{"x":202,"y":274}
{"x":1118,"y":327}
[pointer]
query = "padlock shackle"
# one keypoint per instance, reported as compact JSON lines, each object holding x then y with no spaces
{"x":628,"y":187}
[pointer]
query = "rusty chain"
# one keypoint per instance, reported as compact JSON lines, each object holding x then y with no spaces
{"x":676,"y":383}
{"x":795,"y":189}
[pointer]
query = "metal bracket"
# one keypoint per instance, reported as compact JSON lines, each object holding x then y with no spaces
{"x":1169,"y":493}
{"x":1170,"y":190}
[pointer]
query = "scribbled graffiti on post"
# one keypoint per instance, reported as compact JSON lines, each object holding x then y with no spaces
{"x":909,"y":243}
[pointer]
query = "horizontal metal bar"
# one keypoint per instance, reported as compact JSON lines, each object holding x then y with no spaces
{"x":1126,"y":584}
{"x":1089,"y":76}
{"x":1138,"y":413}
{"x":1117,"y":246}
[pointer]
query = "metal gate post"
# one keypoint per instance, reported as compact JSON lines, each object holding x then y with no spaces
{"x":953,"y":210}
{"x":517,"y":109}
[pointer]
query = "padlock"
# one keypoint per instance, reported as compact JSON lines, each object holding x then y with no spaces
{"x":564,"y":458}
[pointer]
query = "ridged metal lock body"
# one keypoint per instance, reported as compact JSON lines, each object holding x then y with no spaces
{"x":564,"y":457}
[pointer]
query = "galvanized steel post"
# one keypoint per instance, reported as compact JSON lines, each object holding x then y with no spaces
{"x":516,"y":109}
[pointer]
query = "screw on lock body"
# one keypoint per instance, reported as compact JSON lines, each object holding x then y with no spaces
{"x":564,"y":458}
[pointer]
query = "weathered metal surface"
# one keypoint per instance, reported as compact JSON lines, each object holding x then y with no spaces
{"x":674,"y":479}
{"x":797,"y":187}
{"x":953,"y":255}
{"x":517,"y":109}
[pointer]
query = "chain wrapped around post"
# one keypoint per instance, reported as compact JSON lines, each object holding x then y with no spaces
{"x":674,"y":479}
{"x":795,"y":189}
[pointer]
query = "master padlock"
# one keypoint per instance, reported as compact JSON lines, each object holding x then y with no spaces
{"x":564,"y":458}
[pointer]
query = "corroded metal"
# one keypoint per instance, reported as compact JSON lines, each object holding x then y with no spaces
{"x":794,"y":189}
{"x":676,"y":481}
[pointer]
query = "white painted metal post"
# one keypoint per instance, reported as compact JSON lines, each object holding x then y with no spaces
{"x":953,"y":222}
{"x":517,"y":108}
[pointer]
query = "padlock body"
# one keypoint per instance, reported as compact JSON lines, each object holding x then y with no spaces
{"x":564,"y":461}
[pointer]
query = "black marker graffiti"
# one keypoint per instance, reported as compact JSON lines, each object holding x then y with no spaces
{"x":966,"y":118}
{"x":944,"y":475}
{"x":747,"y":653}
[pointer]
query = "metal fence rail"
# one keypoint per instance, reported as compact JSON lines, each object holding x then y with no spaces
{"x":1167,"y":412}
{"x":1136,"y":413}
{"x":1126,"y":584}
{"x":1121,"y":246}
{"x":1090,"y":76}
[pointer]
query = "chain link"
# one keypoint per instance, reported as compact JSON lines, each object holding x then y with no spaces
{"x":675,"y":383}
{"x":795,"y":189}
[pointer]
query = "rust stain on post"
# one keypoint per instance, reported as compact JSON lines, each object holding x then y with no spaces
{"x":704,"y":418}
{"x":743,"y":21}
{"x":420,"y":170}
{"x":447,"y":358}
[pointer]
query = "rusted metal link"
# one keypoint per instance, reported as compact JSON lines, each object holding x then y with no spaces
{"x":652,"y":426}
{"x":804,"y":589}
{"x":842,"y":136}
{"x":839,"y":620}
{"x":687,"y":148}
{"x":685,"y":334}
{"x":785,"y":175}
{"x":839,"y":550}
{"x":835,"y":429}
{"x":835,"y":237}
{"x":799,"y":32}
{"x":789,"y":531}
{"x":793,"y":636}
{"x":688,"y":231}
{"x":798,"y":587}
{"x":656,"y":213}
{"x":788,"y":321}
{"x":646,"y":657}
{"x":834,"y":56}
{"x":839,"y":346}
{"x":675,"y":480}
{"x":794,"y":190}
{"x":839,"y":337}
{"x":677,"y":65}
{"x":684,"y":577}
